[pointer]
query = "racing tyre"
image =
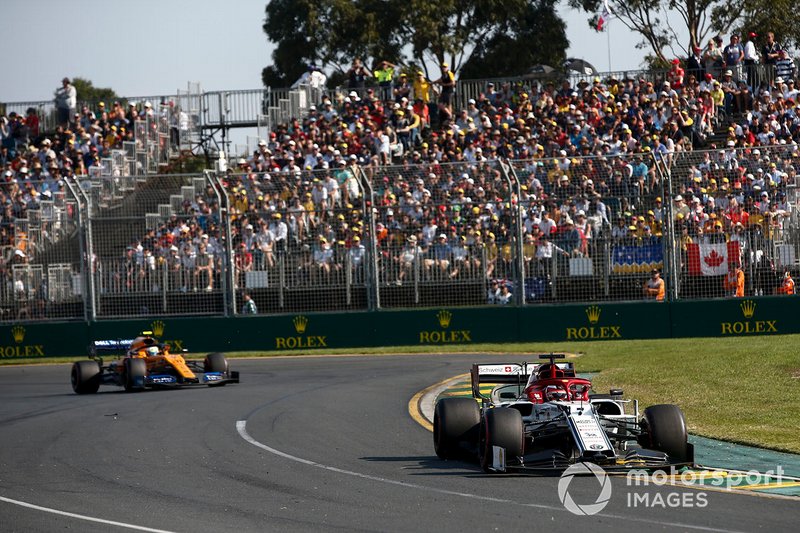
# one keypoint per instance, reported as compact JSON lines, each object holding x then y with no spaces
{"x":216,"y":362}
{"x":455,"y":421}
{"x":134,"y":372}
{"x":666,"y":430}
{"x":85,"y":377}
{"x":502,"y":426}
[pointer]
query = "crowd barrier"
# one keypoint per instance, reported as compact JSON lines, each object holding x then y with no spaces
{"x":435,"y":327}
{"x":516,"y":233}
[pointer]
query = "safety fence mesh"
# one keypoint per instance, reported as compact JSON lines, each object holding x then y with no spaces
{"x":714,"y":224}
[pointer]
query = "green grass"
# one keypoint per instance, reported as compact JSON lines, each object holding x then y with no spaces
{"x":744,"y":389}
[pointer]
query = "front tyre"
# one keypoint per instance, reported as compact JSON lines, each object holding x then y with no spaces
{"x":134,"y":373}
{"x":216,"y":362}
{"x":455,"y":421}
{"x":666,"y":430}
{"x":85,"y":377}
{"x":502,"y":426}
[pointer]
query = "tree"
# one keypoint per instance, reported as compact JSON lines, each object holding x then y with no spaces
{"x":781,"y":17}
{"x":87,"y":92}
{"x":510,"y":51}
{"x":330,"y":33}
{"x":702,"y":19}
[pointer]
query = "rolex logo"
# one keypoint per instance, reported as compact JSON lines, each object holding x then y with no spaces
{"x":444,"y":318}
{"x":157,"y":327}
{"x":300,"y":323}
{"x":18,"y":332}
{"x":593,"y":314}
{"x":748,"y":308}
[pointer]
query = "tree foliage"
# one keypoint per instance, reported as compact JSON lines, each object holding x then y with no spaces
{"x":537,"y":36}
{"x":330,"y":33}
{"x":87,"y":92}
{"x":761,"y":16}
{"x":654,"y":20}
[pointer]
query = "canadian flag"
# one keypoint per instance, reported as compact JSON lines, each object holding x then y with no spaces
{"x":604,"y":16}
{"x":711,"y":259}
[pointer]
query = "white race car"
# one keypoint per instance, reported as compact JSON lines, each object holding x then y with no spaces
{"x":542,"y":417}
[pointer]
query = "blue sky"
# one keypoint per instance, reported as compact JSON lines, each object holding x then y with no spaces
{"x":155,"y":47}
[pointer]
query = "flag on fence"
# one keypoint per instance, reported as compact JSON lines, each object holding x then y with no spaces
{"x":711,"y":259}
{"x":636,"y":259}
{"x":604,"y":16}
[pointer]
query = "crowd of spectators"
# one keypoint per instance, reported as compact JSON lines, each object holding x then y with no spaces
{"x":585,"y":154}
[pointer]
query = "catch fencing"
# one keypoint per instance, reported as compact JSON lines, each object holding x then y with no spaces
{"x":475,"y":233}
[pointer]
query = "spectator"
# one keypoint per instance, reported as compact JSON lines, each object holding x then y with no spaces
{"x":66,"y":102}
{"x":734,"y":280}
{"x":654,"y":287}
{"x":787,"y":284}
{"x":733,"y":55}
{"x":249,"y":306}
{"x":784,"y":66}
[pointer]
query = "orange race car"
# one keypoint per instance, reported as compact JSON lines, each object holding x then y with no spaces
{"x":143,"y":363}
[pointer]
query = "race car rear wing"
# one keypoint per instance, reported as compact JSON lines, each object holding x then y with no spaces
{"x":508,"y":373}
{"x":109,"y":346}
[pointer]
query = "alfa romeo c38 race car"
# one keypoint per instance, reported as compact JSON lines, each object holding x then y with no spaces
{"x":143,"y":363}
{"x":541,"y":418}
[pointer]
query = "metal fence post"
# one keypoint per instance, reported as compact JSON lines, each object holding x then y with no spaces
{"x":508,"y":172}
{"x":373,"y":274}
{"x":87,"y":261}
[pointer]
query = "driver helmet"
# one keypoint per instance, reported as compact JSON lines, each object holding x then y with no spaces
{"x":554,"y":393}
{"x":152,"y":350}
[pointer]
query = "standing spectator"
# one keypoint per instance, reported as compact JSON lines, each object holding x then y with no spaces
{"x":385,"y":78}
{"x":713,"y":56}
{"x":784,"y":66}
{"x":769,"y":52}
{"x":357,"y":77}
{"x":66,"y":102}
{"x":448,"y":84}
{"x":675,"y":74}
{"x":32,"y":122}
{"x":733,"y":55}
{"x":694,"y":63}
{"x":422,"y":88}
{"x":654,"y":287}
{"x":734,"y":280}
{"x":750,"y":60}
{"x":249,"y":306}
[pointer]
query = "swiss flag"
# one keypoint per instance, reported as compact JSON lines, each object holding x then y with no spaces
{"x":711,"y":259}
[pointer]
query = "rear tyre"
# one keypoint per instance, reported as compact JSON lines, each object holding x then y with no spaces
{"x":134,"y":372}
{"x":455,"y":421}
{"x":502,"y":426}
{"x":666,"y":429}
{"x":85,"y":377}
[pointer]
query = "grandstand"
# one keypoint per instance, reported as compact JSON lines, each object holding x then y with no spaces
{"x":565,"y":191}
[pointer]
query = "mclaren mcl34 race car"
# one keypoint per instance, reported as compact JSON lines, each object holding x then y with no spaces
{"x":143,"y":363}
{"x":542,"y":418}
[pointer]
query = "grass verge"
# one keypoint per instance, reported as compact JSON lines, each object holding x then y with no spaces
{"x":744,"y":389}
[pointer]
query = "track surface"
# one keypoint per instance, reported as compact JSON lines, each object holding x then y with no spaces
{"x":349,"y":458}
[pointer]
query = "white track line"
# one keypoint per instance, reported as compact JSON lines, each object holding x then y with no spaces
{"x":241,"y":428}
{"x":82,"y":517}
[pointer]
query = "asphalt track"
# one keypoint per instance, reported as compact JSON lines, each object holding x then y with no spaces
{"x":302,"y":444}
